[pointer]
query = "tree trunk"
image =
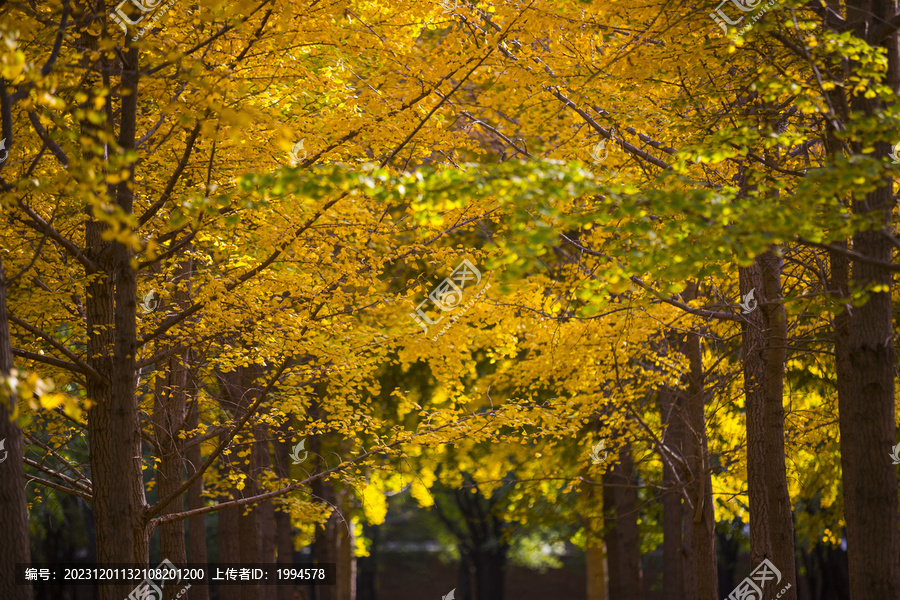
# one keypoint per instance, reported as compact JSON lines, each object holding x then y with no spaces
{"x":591,"y":512}
{"x":866,"y":425}
{"x":866,"y":402}
{"x":697,"y":456}
{"x":14,"y":536}
{"x":196,"y":525}
{"x":346,"y":557}
{"x":688,"y":551}
{"x":113,"y":425}
{"x":168,"y":420}
{"x":267,"y":533}
{"x":752,"y":351}
{"x":490,"y":569}
{"x":781,"y":522}
{"x":333,"y":543}
{"x":239,"y":389}
{"x":326,"y":537}
{"x":265,"y":513}
{"x":229,"y":536}
{"x":248,"y":522}
{"x":729,"y":549}
{"x":169,"y":414}
{"x":466,"y":587}
{"x":764,"y":345}
{"x":672,"y":418}
{"x":622,"y":536}
{"x":229,"y":545}
{"x":368,"y":565}
{"x":482,"y":546}
{"x":613,"y":548}
{"x":248,"y":528}
{"x":265,"y":510}
{"x":284,"y":544}
{"x":596,"y":569}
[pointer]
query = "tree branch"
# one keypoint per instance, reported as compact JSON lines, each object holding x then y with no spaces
{"x":438,"y":105}
{"x":878,"y":34}
{"x":77,"y":482}
{"x":64,"y":477}
{"x":83,"y":366}
{"x":605,"y":132}
{"x":709,"y":314}
{"x":48,"y":360}
{"x":157,"y":521}
{"x":55,"y":486}
{"x":37,"y":223}
{"x":161,"y":504}
{"x":225,"y":29}
{"x":45,"y":137}
{"x":51,"y":60}
{"x":174,"y":319}
{"x":173,"y":180}
{"x":852,"y":254}
{"x":522,"y":151}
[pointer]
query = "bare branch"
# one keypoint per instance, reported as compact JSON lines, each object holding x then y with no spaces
{"x":64,"y":477}
{"x":77,"y":492}
{"x":434,"y":109}
{"x":877,"y":35}
{"x":522,"y":151}
{"x":225,"y":29}
{"x":88,"y":487}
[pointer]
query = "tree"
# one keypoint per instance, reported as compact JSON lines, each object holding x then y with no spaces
{"x":148,"y":173}
{"x":14,"y":531}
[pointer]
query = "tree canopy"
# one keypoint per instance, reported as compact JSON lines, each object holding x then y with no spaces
{"x":614,"y":274}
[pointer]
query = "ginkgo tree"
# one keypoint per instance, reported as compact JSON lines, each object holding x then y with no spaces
{"x":217,"y":233}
